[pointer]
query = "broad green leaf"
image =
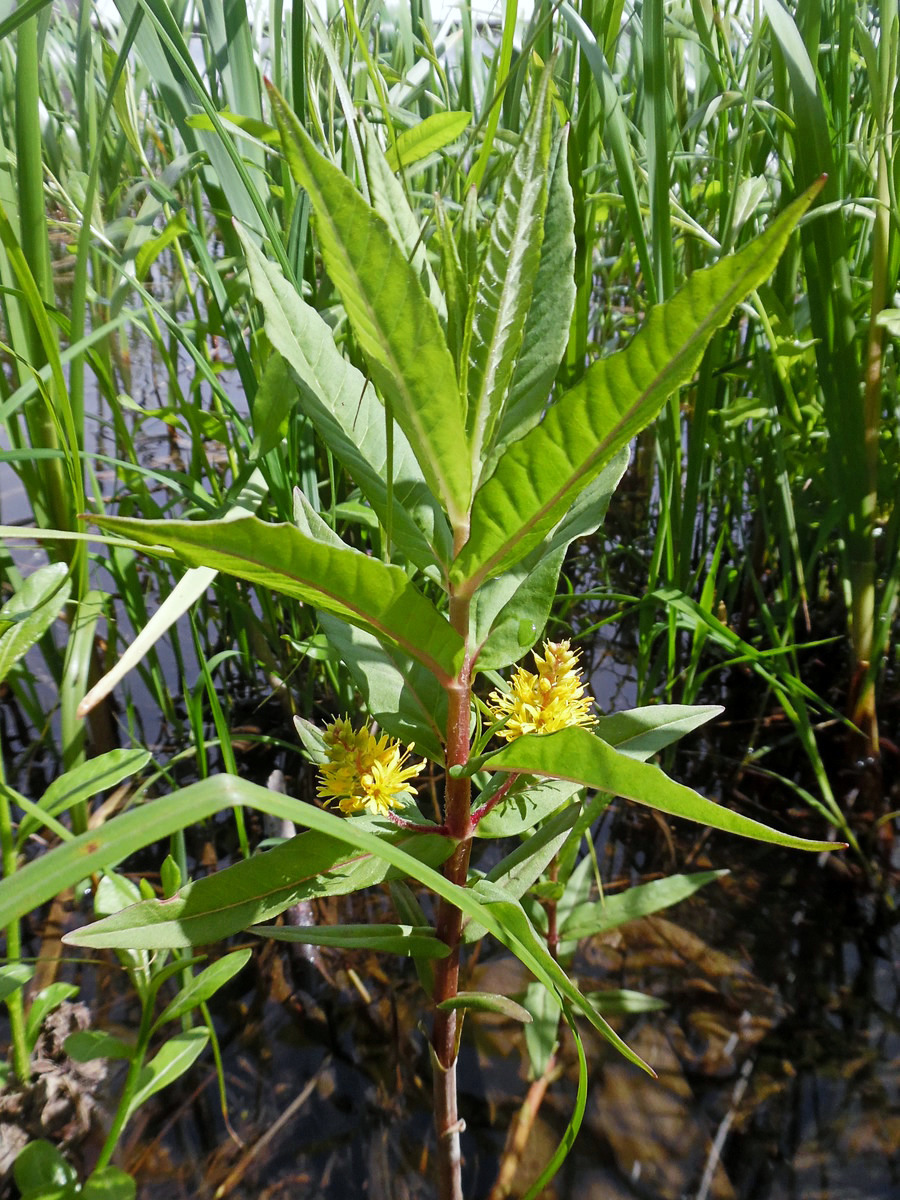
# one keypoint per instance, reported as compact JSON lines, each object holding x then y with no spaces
{"x":88,"y":1044}
{"x":202,"y":986}
{"x":26,"y":617}
{"x":13,"y":975}
{"x":348,"y":415}
{"x":599,"y":915}
{"x":177,"y":1056}
{"x":405,"y":699}
{"x":550,"y":314}
{"x":88,"y":779}
{"x":539,"y":477}
{"x":642,"y":732}
{"x":411,"y":940}
{"x":394,"y":322}
{"x":581,"y":757}
{"x":542,"y":1036}
{"x":426,"y":137}
{"x":253,"y":890}
{"x":41,"y":1166}
{"x":491,"y":1002}
{"x":44,"y":1003}
{"x":273,"y":403}
{"x":362,"y":590}
{"x":496,"y":321}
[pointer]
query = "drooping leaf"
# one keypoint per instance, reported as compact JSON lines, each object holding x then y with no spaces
{"x":82,"y":782}
{"x":581,"y":757}
{"x":496,"y":320}
{"x":362,"y":590}
{"x":45,"y":1002}
{"x":426,"y":137}
{"x":539,"y":477}
{"x":394,"y":322}
{"x":202,"y":986}
{"x":253,"y":890}
{"x":348,"y":415}
{"x":597,"y":916}
{"x":87,"y":1044}
{"x":12,"y":977}
{"x":411,"y":940}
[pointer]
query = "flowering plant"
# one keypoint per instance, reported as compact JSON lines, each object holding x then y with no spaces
{"x":477,"y":489}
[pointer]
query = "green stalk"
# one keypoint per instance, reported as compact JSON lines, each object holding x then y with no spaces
{"x":14,"y":1002}
{"x":131,"y":1083}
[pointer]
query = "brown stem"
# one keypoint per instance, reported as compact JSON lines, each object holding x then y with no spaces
{"x":458,"y":823}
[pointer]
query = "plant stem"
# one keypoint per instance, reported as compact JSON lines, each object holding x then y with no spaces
{"x":458,"y":822}
{"x":14,"y":1003}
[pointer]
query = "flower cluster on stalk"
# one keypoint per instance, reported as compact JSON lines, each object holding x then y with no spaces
{"x":553,"y":698}
{"x":364,"y":773}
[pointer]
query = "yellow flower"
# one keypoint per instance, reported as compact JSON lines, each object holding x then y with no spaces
{"x":364,"y":773}
{"x":552,"y":699}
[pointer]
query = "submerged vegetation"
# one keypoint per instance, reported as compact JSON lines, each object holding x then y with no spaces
{"x":325,"y":339}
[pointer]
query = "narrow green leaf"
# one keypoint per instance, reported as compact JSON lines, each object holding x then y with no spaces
{"x":427,"y":137}
{"x":394,"y":322}
{"x":496,"y":322}
{"x":201,"y":987}
{"x":410,"y":940}
{"x":83,"y":782}
{"x":617,"y":1001}
{"x":552,"y":303}
{"x":177,"y":1056}
{"x":45,"y":1002}
{"x":488,"y":1002}
{"x":26,"y":617}
{"x":348,"y":415}
{"x":518,"y":813}
{"x":642,"y":732}
{"x":362,"y":590}
{"x":581,"y":757}
{"x":540,"y":476}
{"x":597,"y":916}
{"x":253,"y":890}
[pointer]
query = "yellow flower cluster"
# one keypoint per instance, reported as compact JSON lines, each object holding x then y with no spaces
{"x":552,"y":699}
{"x":364,"y":773}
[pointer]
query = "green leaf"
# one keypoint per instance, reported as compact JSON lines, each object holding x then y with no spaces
{"x":202,"y":986}
{"x":109,"y":1183}
{"x":88,"y":1044}
{"x":598,"y":916}
{"x":550,"y":314}
{"x":47,"y":999}
{"x":88,"y":779}
{"x":152,"y":248}
{"x":617,"y":1001}
{"x":411,"y":940}
{"x":518,"y":813}
{"x":405,"y":699}
{"x":490,"y":1002}
{"x":581,"y":757}
{"x":496,"y":320}
{"x":348,"y":415}
{"x":177,"y":1056}
{"x":427,"y":137}
{"x":253,"y":890}
{"x":642,"y":732}
{"x":13,"y":976}
{"x":26,"y":617}
{"x":539,"y":477}
{"x":40,"y":1166}
{"x":362,"y":590}
{"x":395,"y":324}
{"x":273,"y":404}
{"x":542,"y":1038}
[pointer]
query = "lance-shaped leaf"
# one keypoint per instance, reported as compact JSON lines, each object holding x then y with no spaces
{"x":372,"y":594}
{"x":348,"y":415}
{"x":394,"y":322}
{"x":539,"y":477}
{"x":411,"y":940}
{"x":581,"y":757}
{"x":496,"y":322}
{"x":426,"y":137}
{"x":597,"y":916}
{"x":26,"y":617}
